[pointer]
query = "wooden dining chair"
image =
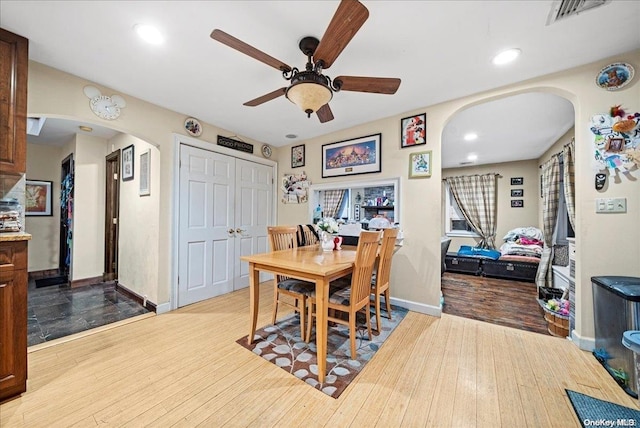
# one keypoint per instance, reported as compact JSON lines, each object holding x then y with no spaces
{"x":380,"y":280}
{"x":282,"y":238}
{"x":307,"y":235}
{"x":350,"y":300}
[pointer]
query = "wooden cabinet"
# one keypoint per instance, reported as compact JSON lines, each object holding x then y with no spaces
{"x":13,"y":319}
{"x":14,"y":62}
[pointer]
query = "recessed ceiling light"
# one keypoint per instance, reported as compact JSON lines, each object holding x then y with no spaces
{"x":506,"y":57}
{"x":291,"y":136}
{"x":472,"y":157}
{"x":149,"y":34}
{"x":85,"y":128}
{"x":470,"y":136}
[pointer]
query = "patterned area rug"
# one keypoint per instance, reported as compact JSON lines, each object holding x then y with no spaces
{"x":595,"y":412}
{"x":282,"y":345}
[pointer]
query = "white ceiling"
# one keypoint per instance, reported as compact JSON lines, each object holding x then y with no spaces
{"x":440,"y":49}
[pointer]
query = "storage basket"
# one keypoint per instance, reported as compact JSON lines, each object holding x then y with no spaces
{"x":556,"y":325}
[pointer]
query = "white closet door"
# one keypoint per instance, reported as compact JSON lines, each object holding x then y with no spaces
{"x":207,"y":231}
{"x":253,"y":208}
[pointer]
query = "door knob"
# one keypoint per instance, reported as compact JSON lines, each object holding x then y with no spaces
{"x":230,"y":231}
{"x":239,"y":231}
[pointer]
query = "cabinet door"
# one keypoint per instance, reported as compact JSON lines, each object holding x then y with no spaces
{"x":14,"y":57}
{"x":13,"y":333}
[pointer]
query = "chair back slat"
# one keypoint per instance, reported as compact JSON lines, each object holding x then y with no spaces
{"x":386,"y":254}
{"x":307,"y":235}
{"x":363,"y":266}
{"x":282,"y":238}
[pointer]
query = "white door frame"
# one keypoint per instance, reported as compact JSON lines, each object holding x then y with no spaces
{"x":178,"y":140}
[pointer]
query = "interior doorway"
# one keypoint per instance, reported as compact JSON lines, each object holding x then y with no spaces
{"x":111,"y":215}
{"x":66,"y":216}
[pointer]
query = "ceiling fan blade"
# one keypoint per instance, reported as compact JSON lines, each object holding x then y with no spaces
{"x":267,"y":97}
{"x":378,"y":85}
{"x":346,"y":22}
{"x":324,"y":113}
{"x":246,"y":49}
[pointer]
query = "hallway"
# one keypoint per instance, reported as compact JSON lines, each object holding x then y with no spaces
{"x":58,"y":311}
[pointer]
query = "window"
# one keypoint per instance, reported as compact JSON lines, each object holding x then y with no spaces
{"x":456,"y":225}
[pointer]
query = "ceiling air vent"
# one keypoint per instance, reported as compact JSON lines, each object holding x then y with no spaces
{"x":465,"y":163}
{"x":564,"y":8}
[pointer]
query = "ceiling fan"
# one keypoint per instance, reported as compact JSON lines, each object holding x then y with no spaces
{"x":310,"y":89}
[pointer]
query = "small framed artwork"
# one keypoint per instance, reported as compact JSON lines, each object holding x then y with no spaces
{"x":413,"y":130}
{"x":145,"y":173}
{"x":297,"y":156}
{"x":38,"y":198}
{"x":517,"y":193}
{"x":517,"y":203}
{"x":350,"y":157}
{"x":614,"y":145}
{"x":420,"y":164}
{"x":356,"y":212}
{"x":127,"y":163}
{"x":517,"y":181}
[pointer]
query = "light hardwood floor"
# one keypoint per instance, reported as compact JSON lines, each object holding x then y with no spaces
{"x":184,"y":369}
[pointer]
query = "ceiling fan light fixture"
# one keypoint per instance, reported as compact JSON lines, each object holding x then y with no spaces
{"x":309,"y":91}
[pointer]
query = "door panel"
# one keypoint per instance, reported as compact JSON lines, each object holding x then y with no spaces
{"x":205,"y":246}
{"x":253,"y":214}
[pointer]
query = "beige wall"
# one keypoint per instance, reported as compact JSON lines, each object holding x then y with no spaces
{"x":53,"y":93}
{"x":139,"y":219}
{"x":416,"y":266}
{"x":507,"y":218}
{"x":43,"y":163}
{"x":416,"y":269}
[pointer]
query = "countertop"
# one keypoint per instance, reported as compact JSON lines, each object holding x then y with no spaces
{"x":14,"y":236}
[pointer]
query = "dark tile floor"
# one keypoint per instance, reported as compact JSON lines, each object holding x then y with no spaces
{"x":59,"y":311}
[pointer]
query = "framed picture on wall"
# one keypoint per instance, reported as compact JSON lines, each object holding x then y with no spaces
{"x":517,"y":181}
{"x":420,"y":164}
{"x":350,"y":157}
{"x":297,"y":156}
{"x":413,"y":130}
{"x":145,"y":173}
{"x":517,"y":203}
{"x":38,"y":198}
{"x":127,"y":163}
{"x":517,"y":193}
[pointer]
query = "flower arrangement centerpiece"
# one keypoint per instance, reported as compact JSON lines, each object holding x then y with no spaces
{"x":328,"y":224}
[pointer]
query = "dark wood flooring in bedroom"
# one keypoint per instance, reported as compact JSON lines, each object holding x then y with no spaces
{"x":497,"y":301}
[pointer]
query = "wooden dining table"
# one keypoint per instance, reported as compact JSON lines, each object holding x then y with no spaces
{"x":308,"y":263}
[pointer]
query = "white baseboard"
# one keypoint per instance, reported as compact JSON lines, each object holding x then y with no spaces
{"x":584,"y":343}
{"x":435,"y":311}
{"x":163,"y":307}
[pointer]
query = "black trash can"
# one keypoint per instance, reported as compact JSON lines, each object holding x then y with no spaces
{"x":616,"y":309}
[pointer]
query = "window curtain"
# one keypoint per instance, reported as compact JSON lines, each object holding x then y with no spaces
{"x":550,"y":197}
{"x":476,"y":197}
{"x":569,"y":181}
{"x":332,"y":202}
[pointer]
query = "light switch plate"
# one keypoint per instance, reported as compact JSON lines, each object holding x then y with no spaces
{"x":611,"y":205}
